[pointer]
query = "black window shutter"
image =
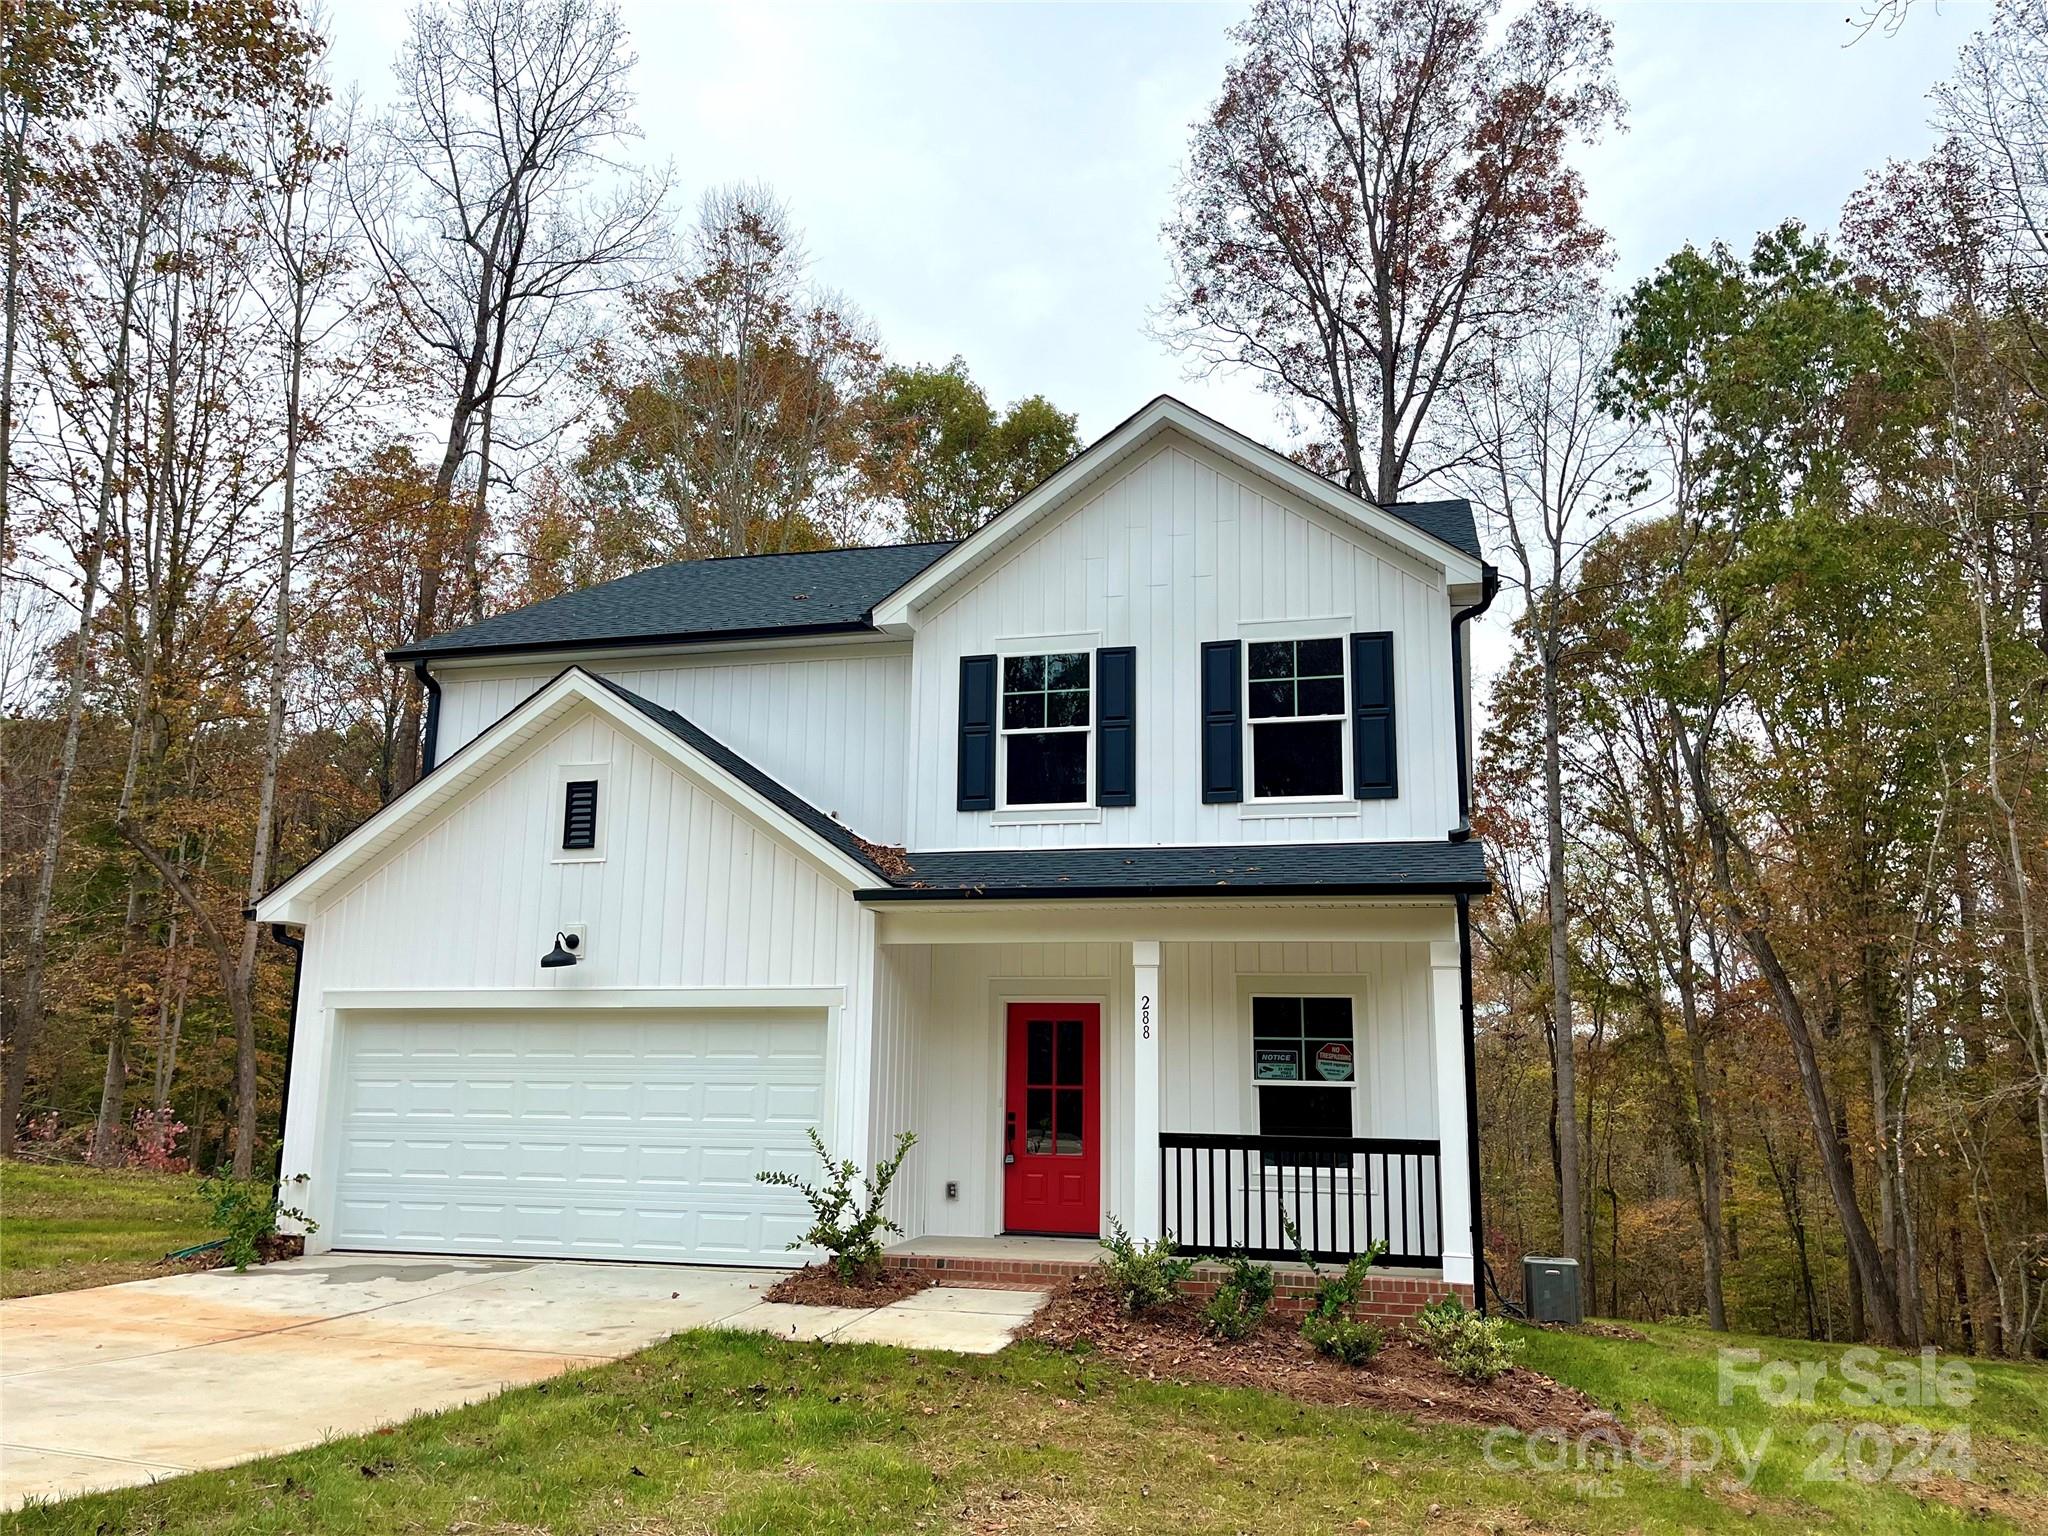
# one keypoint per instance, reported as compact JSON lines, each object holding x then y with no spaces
{"x":579,"y":814}
{"x":977,"y":733}
{"x":1116,"y":722}
{"x":1222,"y":732}
{"x":1373,"y":753}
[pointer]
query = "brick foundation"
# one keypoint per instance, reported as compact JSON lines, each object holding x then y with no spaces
{"x":1387,"y":1298}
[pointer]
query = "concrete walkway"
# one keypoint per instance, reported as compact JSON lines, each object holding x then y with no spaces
{"x":128,"y":1383}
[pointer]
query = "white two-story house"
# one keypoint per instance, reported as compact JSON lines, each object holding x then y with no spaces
{"x":1120,"y":851}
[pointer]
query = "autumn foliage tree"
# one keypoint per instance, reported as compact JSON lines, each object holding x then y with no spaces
{"x":937,"y":451}
{"x":732,"y":416}
{"x":1381,"y":186}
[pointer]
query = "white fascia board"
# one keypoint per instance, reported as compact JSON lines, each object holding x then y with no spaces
{"x":297,"y":898}
{"x":893,"y":613}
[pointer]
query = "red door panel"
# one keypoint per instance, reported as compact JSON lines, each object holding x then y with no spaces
{"x":1052,"y":1119}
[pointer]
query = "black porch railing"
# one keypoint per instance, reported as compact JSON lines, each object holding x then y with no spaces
{"x":1221,"y":1194}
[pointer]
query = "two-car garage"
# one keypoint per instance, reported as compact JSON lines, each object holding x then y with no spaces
{"x":599,"y":1134}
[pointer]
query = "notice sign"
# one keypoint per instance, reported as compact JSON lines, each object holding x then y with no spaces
{"x":1276,"y":1064}
{"x":1333,"y":1062}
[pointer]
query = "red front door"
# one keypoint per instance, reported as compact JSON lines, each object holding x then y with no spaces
{"x":1052,"y":1120}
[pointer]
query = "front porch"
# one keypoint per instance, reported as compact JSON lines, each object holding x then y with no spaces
{"x":1171,"y":1127}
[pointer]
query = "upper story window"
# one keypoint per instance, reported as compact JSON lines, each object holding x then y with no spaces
{"x":1046,"y":728}
{"x":1295,"y":703}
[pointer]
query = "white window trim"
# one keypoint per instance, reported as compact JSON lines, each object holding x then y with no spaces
{"x":1057,"y":810}
{"x":1340,"y":799}
{"x":565,"y":774}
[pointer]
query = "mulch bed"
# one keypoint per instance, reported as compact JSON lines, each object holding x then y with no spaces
{"x":819,"y":1285}
{"x":1168,"y":1344}
{"x":268,"y":1251}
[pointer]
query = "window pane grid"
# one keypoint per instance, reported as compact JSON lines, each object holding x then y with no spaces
{"x":1296,"y":705}
{"x":1302,"y":1072}
{"x":1046,"y":721}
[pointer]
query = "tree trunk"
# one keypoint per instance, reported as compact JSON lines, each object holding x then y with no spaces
{"x":1712,"y":1177}
{"x":1571,"y":1201}
{"x":106,"y":1134}
{"x":1866,"y":1265}
{"x":28,"y":1022}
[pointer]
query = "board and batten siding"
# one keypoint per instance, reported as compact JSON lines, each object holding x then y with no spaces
{"x":830,"y":722}
{"x":1181,"y":549}
{"x":946,"y":1060}
{"x":690,"y":892}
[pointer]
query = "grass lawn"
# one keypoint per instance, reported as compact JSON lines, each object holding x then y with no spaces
{"x":737,"y":1433}
{"x":63,"y":1227}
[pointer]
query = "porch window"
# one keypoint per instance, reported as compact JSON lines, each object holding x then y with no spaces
{"x":1046,"y":725}
{"x":1304,"y":1069}
{"x":1294,"y":702}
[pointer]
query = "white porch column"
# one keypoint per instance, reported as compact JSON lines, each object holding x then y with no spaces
{"x":1447,"y":1039}
{"x":1145,"y":1026}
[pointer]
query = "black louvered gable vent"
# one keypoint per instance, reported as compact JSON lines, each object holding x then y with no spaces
{"x":579,"y":814}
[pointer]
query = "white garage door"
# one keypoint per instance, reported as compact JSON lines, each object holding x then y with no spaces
{"x":605,"y":1136}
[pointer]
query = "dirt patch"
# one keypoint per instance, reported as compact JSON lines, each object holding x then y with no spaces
{"x":819,"y":1285}
{"x":1168,"y":1344}
{"x":1983,"y":1498}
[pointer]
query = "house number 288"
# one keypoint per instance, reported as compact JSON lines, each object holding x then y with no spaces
{"x":1144,"y":1017}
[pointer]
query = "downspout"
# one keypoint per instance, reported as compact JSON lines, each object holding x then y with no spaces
{"x":430,"y":731}
{"x":291,"y":1038}
{"x":1479,"y":1271}
{"x":1488,"y":590}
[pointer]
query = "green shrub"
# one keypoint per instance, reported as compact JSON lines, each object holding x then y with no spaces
{"x":1346,"y":1340}
{"x":1240,"y":1302}
{"x":1477,"y":1349}
{"x":1329,"y":1327}
{"x":1142,"y":1274}
{"x":845,"y":1223}
{"x":245,"y":1212}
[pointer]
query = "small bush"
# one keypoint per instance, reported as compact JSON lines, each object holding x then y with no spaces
{"x":1346,"y":1340}
{"x":245,"y":1212}
{"x":1477,"y":1349}
{"x":1329,"y":1327}
{"x":1142,"y":1274}
{"x":846,"y":1224}
{"x":1240,"y":1302}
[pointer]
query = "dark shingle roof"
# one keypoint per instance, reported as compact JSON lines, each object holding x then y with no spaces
{"x":769,"y":789}
{"x":818,"y":592}
{"x":1354,"y":869}
{"x":1450,"y":521}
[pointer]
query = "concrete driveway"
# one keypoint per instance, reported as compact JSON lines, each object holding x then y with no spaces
{"x":128,"y":1383}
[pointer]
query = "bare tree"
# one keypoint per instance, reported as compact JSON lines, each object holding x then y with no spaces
{"x":1380,"y":188}
{"x":1551,"y":467}
{"x":495,"y":204}
{"x":137,"y":170}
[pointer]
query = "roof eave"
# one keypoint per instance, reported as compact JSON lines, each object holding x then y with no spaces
{"x":1151,"y":892}
{"x":428,"y":651}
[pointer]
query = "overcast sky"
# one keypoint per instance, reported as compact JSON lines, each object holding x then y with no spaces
{"x":989,"y":180}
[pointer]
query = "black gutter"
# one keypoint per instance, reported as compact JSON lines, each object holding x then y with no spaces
{"x":429,"y":651}
{"x":1471,"y":1102}
{"x":291,"y":1040}
{"x":1488,"y":590}
{"x":430,"y":731}
{"x":1221,"y":891}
